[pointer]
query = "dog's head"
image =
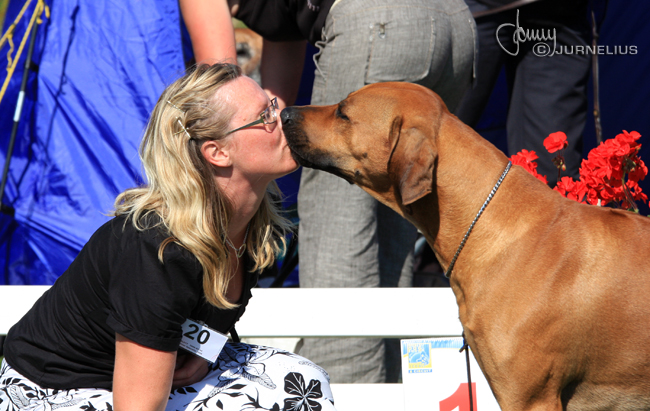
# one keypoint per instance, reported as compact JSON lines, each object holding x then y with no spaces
{"x":380,"y":137}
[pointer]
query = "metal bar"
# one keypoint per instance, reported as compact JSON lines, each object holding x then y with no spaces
{"x":19,"y":109}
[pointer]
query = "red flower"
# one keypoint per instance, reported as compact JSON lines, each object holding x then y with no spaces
{"x":598,"y":163}
{"x":592,"y":197}
{"x":564,"y":185}
{"x":629,"y":138}
{"x":606,"y":194}
{"x":541,"y":177}
{"x":555,"y":142}
{"x":609,"y":171}
{"x":635,"y":190}
{"x":619,"y":148}
{"x":573,"y":190}
{"x":526,"y":159}
{"x":529,"y":156}
{"x":639,"y":172}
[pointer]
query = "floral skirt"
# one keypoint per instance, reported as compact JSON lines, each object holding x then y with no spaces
{"x":245,"y":377}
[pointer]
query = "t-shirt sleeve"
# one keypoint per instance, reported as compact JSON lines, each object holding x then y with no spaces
{"x":150,"y":300}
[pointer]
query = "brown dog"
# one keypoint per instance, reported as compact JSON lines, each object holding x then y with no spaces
{"x":249,"y":51}
{"x":553,"y":295}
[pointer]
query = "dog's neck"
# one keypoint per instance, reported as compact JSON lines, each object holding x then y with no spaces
{"x":468,"y":168}
{"x":450,"y":267}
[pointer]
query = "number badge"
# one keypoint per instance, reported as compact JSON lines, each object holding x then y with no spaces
{"x":201,"y":340}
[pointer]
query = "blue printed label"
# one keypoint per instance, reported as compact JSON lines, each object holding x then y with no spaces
{"x":419,"y":357}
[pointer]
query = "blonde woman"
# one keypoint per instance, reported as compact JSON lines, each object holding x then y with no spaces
{"x":181,"y":253}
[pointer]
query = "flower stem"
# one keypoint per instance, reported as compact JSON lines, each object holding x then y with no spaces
{"x":628,"y":196}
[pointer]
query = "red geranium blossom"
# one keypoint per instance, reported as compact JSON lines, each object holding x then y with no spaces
{"x":629,"y":138}
{"x":555,"y":142}
{"x":639,"y":172}
{"x":571,"y":189}
{"x":610,"y":173}
{"x":529,"y":156}
{"x":635,"y":190}
{"x":526,"y":159}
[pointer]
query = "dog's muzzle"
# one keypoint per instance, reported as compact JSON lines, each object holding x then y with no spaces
{"x":302,"y":150}
{"x":290,"y":116}
{"x":296,"y":137}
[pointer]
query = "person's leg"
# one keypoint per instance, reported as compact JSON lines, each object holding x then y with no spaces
{"x":338,"y":248}
{"x":452,"y":64}
{"x":449,"y":74}
{"x":339,"y":237}
{"x":255,"y":377}
{"x":491,"y":58}
{"x":19,"y":393}
{"x":549,"y":94}
{"x":394,"y":231}
{"x":243,"y":377}
{"x":338,"y":228}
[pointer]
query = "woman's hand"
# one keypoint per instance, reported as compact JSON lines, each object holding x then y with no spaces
{"x":142,"y":378}
{"x":189,"y":369}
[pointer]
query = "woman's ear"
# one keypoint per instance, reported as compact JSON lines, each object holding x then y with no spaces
{"x":216,"y":153}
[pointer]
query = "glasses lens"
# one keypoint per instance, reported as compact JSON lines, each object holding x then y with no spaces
{"x":270,"y":114}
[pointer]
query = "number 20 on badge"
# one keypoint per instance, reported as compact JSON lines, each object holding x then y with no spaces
{"x":201,"y":340}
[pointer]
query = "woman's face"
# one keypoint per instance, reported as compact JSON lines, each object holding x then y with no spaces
{"x":254,"y":151}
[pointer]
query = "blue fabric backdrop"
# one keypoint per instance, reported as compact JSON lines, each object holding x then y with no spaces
{"x":101,"y":66}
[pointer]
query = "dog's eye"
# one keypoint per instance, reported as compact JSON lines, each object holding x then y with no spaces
{"x":340,"y":114}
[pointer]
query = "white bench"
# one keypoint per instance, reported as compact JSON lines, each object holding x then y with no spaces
{"x":321,"y":312}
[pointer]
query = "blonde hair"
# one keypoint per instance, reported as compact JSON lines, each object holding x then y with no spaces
{"x":181,"y":188}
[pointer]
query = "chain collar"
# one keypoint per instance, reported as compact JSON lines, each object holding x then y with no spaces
{"x":471,"y":226}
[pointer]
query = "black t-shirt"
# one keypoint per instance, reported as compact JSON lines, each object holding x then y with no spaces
{"x":115,"y":285}
{"x":285,"y":20}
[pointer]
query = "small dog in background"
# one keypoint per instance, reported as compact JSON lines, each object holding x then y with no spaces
{"x":249,"y":52}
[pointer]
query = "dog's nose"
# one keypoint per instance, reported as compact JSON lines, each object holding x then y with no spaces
{"x":288,"y":116}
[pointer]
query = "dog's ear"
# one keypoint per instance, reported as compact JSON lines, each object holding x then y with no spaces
{"x":410,"y":165}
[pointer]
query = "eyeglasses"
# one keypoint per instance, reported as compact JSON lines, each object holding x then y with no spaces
{"x":268,"y":117}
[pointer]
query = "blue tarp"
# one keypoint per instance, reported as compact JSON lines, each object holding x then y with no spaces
{"x":101,"y":66}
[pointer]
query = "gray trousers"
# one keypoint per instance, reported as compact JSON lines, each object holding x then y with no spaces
{"x":347,"y":238}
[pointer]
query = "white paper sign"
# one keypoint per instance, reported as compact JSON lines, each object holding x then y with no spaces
{"x":201,"y":340}
{"x":434,"y":375}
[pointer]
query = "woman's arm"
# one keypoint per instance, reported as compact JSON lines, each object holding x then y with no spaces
{"x":209,"y":24}
{"x":142,"y":378}
{"x":189,"y":369}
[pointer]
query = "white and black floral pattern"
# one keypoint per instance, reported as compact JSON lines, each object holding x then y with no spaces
{"x":245,"y":377}
{"x":305,"y":396}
